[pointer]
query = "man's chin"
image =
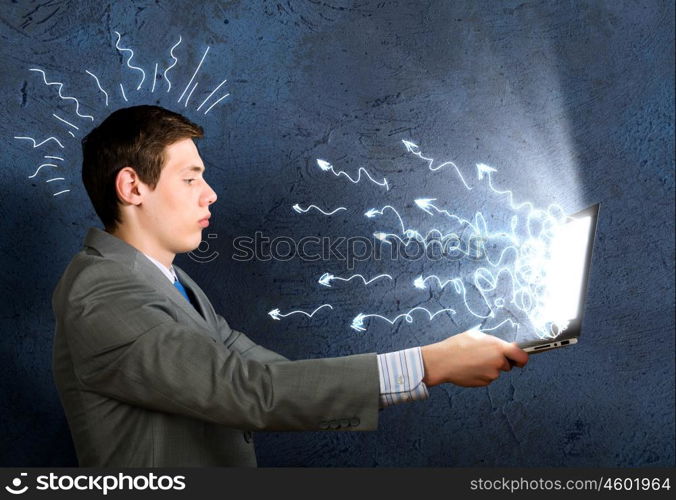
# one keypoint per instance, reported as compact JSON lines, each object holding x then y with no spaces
{"x":191,"y":246}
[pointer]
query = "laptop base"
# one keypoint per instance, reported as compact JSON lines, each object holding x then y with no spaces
{"x":534,"y":349}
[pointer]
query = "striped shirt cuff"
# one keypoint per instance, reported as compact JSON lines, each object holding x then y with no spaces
{"x":401,"y":374}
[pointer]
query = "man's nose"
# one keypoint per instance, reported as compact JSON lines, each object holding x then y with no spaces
{"x":211,"y":195}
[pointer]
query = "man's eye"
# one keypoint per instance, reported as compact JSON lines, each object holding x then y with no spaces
{"x":189,"y":180}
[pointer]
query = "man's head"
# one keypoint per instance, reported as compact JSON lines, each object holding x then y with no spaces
{"x":143,"y":174}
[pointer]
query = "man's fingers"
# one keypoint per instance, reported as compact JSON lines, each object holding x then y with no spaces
{"x":506,"y":365}
{"x":516,"y":354}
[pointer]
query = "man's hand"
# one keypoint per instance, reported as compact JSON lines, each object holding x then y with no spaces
{"x":469,"y":359}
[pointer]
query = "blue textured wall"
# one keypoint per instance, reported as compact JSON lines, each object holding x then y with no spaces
{"x":573,"y":102}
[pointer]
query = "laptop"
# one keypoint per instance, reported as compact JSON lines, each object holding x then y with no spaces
{"x":570,"y":266}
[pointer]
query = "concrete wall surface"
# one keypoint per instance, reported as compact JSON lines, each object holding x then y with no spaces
{"x":571,"y":102}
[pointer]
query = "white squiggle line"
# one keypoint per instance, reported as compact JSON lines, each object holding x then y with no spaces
{"x":327,"y":167}
{"x":326,"y":278}
{"x":61,"y":192}
{"x":43,"y":165}
{"x":54,"y":157}
{"x":123,"y":95}
{"x":64,"y":121}
{"x":499,"y":325}
{"x":171,"y":53}
{"x":478,"y":227}
{"x":117,"y":46}
{"x":483,"y":169}
{"x":195,"y":73}
{"x":212,"y":93}
{"x":276,"y":315}
{"x":154,"y":79}
{"x":300,"y":210}
{"x":56,"y":179}
{"x":459,"y":288}
{"x":77,"y":103}
{"x":358,"y":321}
{"x":373,"y":212}
{"x":502,"y":254}
{"x":37,"y":145}
{"x":98,"y":84}
{"x":214,"y":104}
{"x":71,"y":133}
{"x":426,"y":203}
{"x":527,"y":276}
{"x":412,"y":236}
{"x":415,"y":151}
{"x":188,"y":98}
{"x":420,"y":281}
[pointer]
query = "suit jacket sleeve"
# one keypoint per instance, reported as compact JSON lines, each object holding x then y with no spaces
{"x":240,"y":343}
{"x":127,"y":344}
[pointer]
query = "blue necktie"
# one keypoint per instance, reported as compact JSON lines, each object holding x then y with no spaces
{"x":180,"y":288}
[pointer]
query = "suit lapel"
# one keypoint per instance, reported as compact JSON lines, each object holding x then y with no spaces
{"x":200,"y":299}
{"x":160,"y":281}
{"x":115,"y":248}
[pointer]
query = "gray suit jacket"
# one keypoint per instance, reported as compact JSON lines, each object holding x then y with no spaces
{"x":147,"y":380}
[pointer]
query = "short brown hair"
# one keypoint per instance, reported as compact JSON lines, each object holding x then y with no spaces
{"x":129,"y":137}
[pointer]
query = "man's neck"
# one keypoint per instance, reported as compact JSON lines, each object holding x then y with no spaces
{"x":144,"y":245}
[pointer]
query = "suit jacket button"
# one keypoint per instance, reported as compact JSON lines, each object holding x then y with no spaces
{"x":354,"y":422}
{"x":247,"y":436}
{"x":323,"y":425}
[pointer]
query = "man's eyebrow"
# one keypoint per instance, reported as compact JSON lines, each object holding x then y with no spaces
{"x":193,"y":168}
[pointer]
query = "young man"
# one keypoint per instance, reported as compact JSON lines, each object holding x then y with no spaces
{"x":150,"y":375}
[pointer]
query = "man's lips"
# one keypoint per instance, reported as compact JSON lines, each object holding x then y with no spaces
{"x":205,"y":221}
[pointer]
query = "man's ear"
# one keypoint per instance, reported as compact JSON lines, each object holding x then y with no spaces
{"x":127,"y":186}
